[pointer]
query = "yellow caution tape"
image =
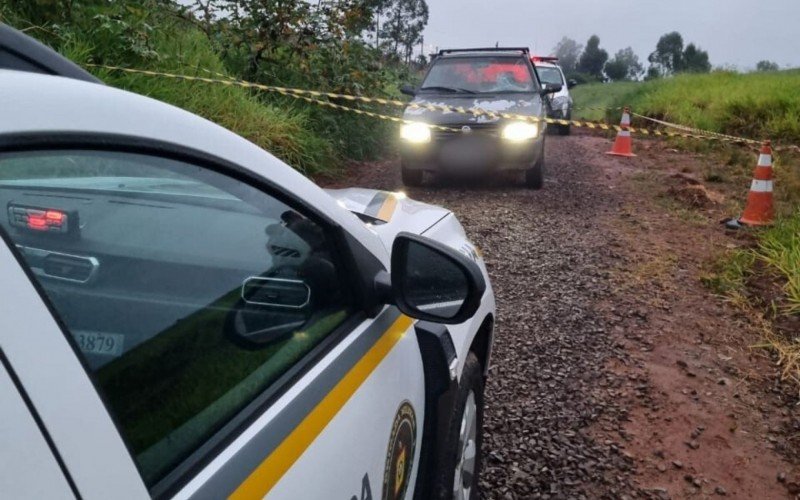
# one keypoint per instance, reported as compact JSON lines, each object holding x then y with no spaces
{"x":596,"y":108}
{"x":314,"y":96}
{"x":697,"y":130}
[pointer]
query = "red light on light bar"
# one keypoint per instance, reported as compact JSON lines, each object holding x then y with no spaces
{"x":40,"y":219}
{"x":45,"y":221}
{"x":38,"y":223}
{"x":54,"y":216}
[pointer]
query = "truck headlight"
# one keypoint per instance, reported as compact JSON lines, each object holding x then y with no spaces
{"x":418,"y":133}
{"x":520,"y":131}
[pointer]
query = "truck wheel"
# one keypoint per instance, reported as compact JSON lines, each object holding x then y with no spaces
{"x":534,"y":176}
{"x":565,"y":129}
{"x":411,"y":178}
{"x":457,"y":477}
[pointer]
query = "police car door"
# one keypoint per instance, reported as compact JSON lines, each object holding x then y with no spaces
{"x":219,"y":322}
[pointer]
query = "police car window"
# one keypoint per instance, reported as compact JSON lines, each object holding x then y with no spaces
{"x":188,"y":293}
{"x":549,"y":75}
{"x":480,"y":75}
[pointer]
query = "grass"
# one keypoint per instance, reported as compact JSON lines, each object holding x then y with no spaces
{"x":776,"y":257}
{"x":729,"y":274}
{"x":282,"y":130}
{"x":779,"y":247}
{"x":755,"y":105}
{"x":600,"y":95}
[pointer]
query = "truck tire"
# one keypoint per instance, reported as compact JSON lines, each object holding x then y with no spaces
{"x":534,"y":176}
{"x":411,"y":178}
{"x":565,"y":129}
{"x":457,"y":474}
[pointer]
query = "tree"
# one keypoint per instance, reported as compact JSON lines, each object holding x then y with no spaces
{"x":568,"y":51}
{"x":624,"y":66}
{"x":668,"y":56}
{"x":406,"y":19}
{"x":593,"y":58}
{"x":767,"y":66}
{"x":695,"y":60}
{"x":652,"y":73}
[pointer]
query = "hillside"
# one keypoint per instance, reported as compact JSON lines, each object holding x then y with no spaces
{"x":756,"y":105}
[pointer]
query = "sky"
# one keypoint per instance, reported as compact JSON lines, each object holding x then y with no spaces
{"x":734,"y":32}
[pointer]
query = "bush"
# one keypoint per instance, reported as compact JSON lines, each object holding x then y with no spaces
{"x":157,"y":35}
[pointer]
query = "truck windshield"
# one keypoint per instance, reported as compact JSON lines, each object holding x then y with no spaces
{"x":549,"y":75}
{"x":479,"y":75}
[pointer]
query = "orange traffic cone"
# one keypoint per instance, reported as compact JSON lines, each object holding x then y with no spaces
{"x":759,"y":210}
{"x":623,"y":144}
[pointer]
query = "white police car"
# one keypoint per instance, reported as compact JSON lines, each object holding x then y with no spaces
{"x":183,"y":315}
{"x":559,"y":104}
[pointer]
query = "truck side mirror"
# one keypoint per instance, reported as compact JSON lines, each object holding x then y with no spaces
{"x":408,"y":90}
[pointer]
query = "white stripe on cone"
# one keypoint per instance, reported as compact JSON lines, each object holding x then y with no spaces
{"x":764,"y":160}
{"x":624,"y":133}
{"x":761,"y":186}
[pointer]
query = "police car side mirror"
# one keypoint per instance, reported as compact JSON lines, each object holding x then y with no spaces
{"x":408,"y":90}
{"x":433,"y":282}
{"x":571,"y":83}
{"x":550,"y":89}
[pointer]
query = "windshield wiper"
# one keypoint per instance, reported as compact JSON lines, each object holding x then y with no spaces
{"x":455,"y":90}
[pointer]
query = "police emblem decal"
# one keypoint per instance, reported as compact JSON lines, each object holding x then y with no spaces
{"x":400,"y":453}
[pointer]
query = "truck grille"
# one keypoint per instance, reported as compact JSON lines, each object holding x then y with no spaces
{"x":476,"y":129}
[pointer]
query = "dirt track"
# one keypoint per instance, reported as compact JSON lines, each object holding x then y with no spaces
{"x":615,"y":372}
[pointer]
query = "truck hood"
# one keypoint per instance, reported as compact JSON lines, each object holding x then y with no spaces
{"x":520,"y":104}
{"x":387,"y":213}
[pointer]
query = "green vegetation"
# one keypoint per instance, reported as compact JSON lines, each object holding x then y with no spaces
{"x":285,"y":129}
{"x":600,"y":95}
{"x":288,"y":43}
{"x":780,"y":248}
{"x":756,"y":105}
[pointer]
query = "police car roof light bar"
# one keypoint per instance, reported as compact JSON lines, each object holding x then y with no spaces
{"x":524,"y":50}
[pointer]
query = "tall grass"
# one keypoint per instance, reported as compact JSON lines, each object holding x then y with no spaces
{"x":755,"y":105}
{"x":284,"y":129}
{"x":600,"y":95}
{"x":779,"y":247}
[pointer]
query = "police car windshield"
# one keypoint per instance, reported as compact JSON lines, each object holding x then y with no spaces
{"x":549,"y":75}
{"x":479,"y":75}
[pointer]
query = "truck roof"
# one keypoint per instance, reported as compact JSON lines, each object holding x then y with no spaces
{"x":485,"y":51}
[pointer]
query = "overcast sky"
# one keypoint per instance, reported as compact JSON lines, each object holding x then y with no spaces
{"x":737,"y":32}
